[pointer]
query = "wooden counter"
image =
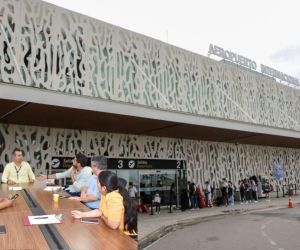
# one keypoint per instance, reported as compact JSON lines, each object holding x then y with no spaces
{"x":76,"y":235}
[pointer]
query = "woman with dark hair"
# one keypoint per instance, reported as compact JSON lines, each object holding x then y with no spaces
{"x":116,"y":208}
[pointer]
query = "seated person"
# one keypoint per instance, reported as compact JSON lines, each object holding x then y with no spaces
{"x":116,"y":207}
{"x":79,"y":173}
{"x":90,"y":194}
{"x":5,"y":202}
{"x":17,"y":171}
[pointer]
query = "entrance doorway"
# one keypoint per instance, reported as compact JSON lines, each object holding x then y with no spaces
{"x":161,"y":181}
{"x":149,"y":175}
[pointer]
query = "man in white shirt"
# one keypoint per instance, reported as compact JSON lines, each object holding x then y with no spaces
{"x":79,"y":173}
{"x":254,"y":190}
{"x":132,"y":190}
{"x":224,"y":191}
{"x":208,"y":193}
{"x":90,"y":194}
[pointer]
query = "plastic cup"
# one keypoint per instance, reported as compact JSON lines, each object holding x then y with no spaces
{"x":56,"y":198}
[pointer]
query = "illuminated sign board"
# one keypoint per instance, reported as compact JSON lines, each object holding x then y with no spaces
{"x":251,"y":64}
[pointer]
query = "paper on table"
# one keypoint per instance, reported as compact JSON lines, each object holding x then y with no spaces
{"x":50,"y":181}
{"x":15,"y":188}
{"x":54,"y":188}
{"x":51,"y":219}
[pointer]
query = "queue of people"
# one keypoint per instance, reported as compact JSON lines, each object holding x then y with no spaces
{"x":191,"y":197}
{"x":246,"y":192}
{"x":96,"y":187}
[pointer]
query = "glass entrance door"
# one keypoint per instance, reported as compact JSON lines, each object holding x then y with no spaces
{"x":157,"y":180}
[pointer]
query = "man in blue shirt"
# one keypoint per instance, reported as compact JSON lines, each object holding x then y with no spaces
{"x":90,"y":195}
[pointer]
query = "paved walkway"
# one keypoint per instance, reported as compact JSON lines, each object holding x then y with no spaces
{"x":152,"y":227}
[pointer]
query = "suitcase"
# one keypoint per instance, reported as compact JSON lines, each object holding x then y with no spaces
{"x":144,"y":208}
{"x":202,"y":202}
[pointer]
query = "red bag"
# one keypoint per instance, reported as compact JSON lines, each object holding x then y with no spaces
{"x":202,"y":202}
{"x":144,"y":208}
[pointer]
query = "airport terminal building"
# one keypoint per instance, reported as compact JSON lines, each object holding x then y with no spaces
{"x":161,"y":114}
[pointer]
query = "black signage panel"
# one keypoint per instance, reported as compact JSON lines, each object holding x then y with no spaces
{"x":61,"y":162}
{"x":125,"y":163}
{"x":64,"y":163}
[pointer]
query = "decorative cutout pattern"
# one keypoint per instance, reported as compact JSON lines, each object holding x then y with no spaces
{"x":9,"y":17}
{"x":64,"y":51}
{"x":34,"y":141}
{"x":205,"y":160}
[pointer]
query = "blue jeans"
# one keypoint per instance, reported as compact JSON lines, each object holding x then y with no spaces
{"x":173,"y":200}
{"x":193,"y":199}
{"x":231,"y":200}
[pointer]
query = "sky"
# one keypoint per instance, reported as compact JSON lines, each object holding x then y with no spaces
{"x":262,"y":30}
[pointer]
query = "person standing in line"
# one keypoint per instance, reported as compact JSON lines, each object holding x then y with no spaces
{"x":195,"y":196}
{"x":208,"y":193}
{"x":254,"y":190}
{"x":192,"y":194}
{"x":157,"y":201}
{"x":199,"y":197}
{"x":230,"y":193}
{"x":248,"y":191}
{"x":267,"y":189}
{"x":224,"y":191}
{"x":184,"y":200}
{"x":173,"y":195}
{"x":242,"y":191}
{"x":188,"y":193}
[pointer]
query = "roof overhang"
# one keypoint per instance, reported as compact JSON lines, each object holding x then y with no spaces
{"x":38,"y":107}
